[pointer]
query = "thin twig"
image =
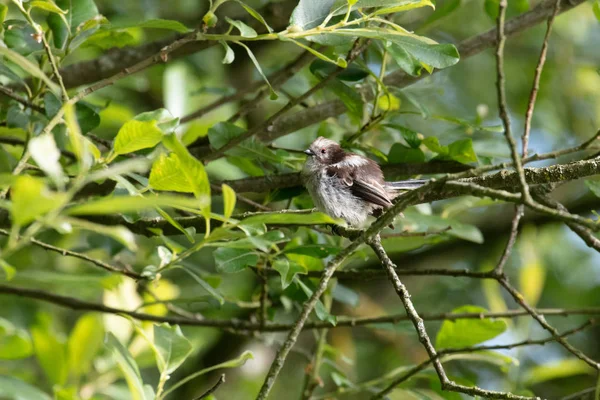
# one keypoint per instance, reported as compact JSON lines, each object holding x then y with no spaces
{"x":276,"y":79}
{"x":514,"y":230}
{"x":536,"y":79}
{"x":9,"y":93}
{"x":213,"y":388}
{"x":417,"y":322}
{"x":502,"y":106}
{"x":268,"y":124}
{"x":81,"y":256}
{"x":518,"y":297}
{"x":245,"y":327}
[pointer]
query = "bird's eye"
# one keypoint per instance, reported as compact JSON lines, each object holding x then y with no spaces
{"x":323,"y":151}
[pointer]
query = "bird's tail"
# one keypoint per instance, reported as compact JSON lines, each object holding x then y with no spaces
{"x":406,"y":185}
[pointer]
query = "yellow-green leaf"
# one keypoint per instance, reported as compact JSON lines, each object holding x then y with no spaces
{"x":31,"y":199}
{"x":136,"y":135}
{"x":228,"y":200}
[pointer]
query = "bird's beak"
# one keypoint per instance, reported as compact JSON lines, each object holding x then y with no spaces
{"x":309,"y":152}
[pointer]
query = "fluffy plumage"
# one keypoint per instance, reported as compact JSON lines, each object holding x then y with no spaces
{"x":346,"y":185}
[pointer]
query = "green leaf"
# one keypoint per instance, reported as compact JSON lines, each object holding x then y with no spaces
{"x":315,"y":218}
{"x":28,"y":67}
{"x":84,"y":343}
{"x":309,"y":14}
{"x":421,"y":48}
{"x":403,"y":5}
{"x":51,"y":354}
{"x":399,"y":153}
{"x":20,"y":37}
{"x":565,"y":368}
{"x":596,"y":9}
{"x":3,"y":13}
{"x":468,"y":332}
{"x":462,"y":151}
{"x":382,"y":6}
{"x":273,"y":95}
{"x":350,"y":97}
{"x":128,"y":367}
{"x":46,"y":5}
{"x":234,"y":260}
{"x":203,"y":283}
{"x":322,"y":69}
{"x":8,"y":270}
{"x":173,"y":348}
{"x":14,"y":343}
{"x":263,"y":242}
{"x":433,"y":144}
{"x":15,"y":389}
{"x":107,"y":39}
{"x":194,"y":173}
{"x":288,"y":270}
{"x":236,"y":362}
{"x":78,"y":12}
{"x":32,"y":199}
{"x":255,"y":14}
{"x":491,"y":8}
{"x":126,"y":204}
{"x":404,"y":59}
{"x":223,"y":132}
{"x":594,"y":186}
{"x":167,"y":24}
{"x":313,"y":250}
{"x":118,"y":232}
{"x":168,"y":173}
{"x":164,"y":119}
{"x":320,"y":309}
{"x":245,"y":30}
{"x":228,"y":200}
{"x":136,"y":135}
{"x":229,"y":54}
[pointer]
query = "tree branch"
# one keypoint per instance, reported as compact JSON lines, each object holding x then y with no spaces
{"x":467,"y":48}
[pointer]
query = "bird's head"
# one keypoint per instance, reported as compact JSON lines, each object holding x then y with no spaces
{"x":325,"y":151}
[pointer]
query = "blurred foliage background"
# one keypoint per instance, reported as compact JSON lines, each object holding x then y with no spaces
{"x":52,"y":352}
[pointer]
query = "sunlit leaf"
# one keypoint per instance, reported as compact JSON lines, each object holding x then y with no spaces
{"x":228,"y":200}
{"x":32,"y":199}
{"x":468,"y":332}
{"x":51,"y":353}
{"x":128,"y":367}
{"x":136,"y":135}
{"x":560,"y":369}
{"x":46,"y":5}
{"x":15,"y":343}
{"x":173,"y":348}
{"x":84,"y":342}
{"x":315,"y":218}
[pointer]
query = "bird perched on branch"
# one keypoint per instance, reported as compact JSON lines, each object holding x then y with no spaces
{"x":347,"y":185}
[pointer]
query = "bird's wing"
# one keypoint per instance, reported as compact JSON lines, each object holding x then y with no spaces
{"x":372,"y":192}
{"x":357,"y":174}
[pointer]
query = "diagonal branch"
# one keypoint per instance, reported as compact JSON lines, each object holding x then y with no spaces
{"x":467,"y":48}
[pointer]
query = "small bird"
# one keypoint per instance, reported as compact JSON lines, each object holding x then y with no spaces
{"x":347,"y":185}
